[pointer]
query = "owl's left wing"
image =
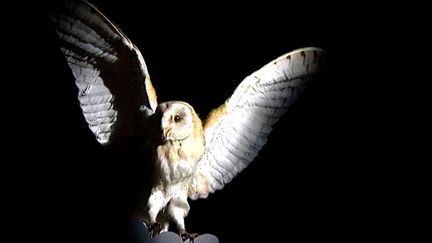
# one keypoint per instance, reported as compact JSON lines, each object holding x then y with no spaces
{"x":237,"y":130}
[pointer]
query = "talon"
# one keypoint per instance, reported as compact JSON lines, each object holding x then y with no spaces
{"x":185,"y":235}
{"x":154,"y":229}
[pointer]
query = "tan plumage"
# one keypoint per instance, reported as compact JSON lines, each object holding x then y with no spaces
{"x":214,"y":116}
{"x":188,"y":158}
{"x":151,"y":92}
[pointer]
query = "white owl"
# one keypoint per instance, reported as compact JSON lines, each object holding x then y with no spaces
{"x":189,"y":158}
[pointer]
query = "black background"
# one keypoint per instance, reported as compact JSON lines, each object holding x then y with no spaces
{"x":315,"y":179}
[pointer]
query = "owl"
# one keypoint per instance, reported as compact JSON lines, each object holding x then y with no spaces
{"x":187,"y":158}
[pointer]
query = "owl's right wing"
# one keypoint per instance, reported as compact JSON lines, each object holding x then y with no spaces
{"x":114,"y":87}
{"x":236,"y":131}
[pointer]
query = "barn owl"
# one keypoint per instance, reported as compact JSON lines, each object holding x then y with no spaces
{"x":189,"y":157}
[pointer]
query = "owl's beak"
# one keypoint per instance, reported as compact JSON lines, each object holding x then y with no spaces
{"x":166,"y":134}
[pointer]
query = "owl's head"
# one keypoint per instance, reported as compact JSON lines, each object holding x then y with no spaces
{"x":178,"y":121}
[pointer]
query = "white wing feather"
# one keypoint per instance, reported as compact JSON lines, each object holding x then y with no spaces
{"x":234,"y":140}
{"x":110,"y":73}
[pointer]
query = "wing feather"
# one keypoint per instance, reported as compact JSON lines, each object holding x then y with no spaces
{"x":110,"y":73}
{"x":236,"y":132}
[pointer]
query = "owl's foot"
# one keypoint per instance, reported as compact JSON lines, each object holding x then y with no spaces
{"x":187,"y":236}
{"x":154,"y":229}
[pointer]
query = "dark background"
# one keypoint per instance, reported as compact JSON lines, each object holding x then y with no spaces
{"x":317,"y":178}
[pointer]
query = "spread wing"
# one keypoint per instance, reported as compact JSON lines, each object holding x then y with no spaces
{"x":113,"y":83}
{"x":237,"y":130}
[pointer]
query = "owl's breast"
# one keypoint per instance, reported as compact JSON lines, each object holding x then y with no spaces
{"x":175,"y":163}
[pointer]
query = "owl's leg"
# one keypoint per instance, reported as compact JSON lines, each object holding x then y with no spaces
{"x":155,"y":203}
{"x":154,"y":229}
{"x":163,"y":220}
{"x":178,"y":209}
{"x":165,"y":226}
{"x":158,"y":227}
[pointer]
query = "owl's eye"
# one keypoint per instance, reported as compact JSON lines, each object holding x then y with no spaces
{"x":177,"y":118}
